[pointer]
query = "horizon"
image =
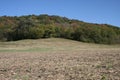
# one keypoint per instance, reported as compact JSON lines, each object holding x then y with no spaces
{"x":95,"y":11}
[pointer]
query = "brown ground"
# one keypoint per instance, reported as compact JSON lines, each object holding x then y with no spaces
{"x":58,"y":59}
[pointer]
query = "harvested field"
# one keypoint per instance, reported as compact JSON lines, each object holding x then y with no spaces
{"x":58,"y":59}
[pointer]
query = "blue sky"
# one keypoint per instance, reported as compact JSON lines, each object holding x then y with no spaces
{"x":93,"y":11}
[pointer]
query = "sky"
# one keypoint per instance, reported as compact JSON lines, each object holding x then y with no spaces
{"x":92,"y":11}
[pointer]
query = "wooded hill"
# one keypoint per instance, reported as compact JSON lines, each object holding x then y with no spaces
{"x":45,"y":26}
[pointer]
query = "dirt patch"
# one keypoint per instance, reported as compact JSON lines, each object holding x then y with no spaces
{"x":82,"y":65}
{"x":75,"y":61}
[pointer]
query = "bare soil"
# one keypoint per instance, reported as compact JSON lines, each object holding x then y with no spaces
{"x":58,"y":59}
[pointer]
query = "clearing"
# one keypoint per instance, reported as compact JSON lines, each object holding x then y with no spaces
{"x":58,"y":59}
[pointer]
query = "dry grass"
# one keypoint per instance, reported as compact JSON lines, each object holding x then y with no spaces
{"x":58,"y":59}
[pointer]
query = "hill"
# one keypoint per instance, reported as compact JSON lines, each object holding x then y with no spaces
{"x":52,"y":45}
{"x":46,"y":26}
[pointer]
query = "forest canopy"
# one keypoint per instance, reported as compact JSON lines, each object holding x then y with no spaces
{"x":14,"y":28}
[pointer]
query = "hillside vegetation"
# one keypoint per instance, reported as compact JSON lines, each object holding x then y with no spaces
{"x":45,"y":26}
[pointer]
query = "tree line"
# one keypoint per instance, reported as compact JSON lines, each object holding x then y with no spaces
{"x":45,"y":26}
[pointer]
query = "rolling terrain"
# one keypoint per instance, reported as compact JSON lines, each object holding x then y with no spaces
{"x":58,"y":59}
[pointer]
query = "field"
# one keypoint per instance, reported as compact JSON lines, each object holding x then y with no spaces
{"x":58,"y":59}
